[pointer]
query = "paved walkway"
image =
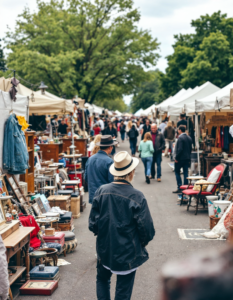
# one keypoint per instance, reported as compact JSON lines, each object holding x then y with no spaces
{"x":78,"y":279}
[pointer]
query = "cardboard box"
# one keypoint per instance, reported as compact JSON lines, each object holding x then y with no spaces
{"x":231,"y":147}
{"x":216,"y":150}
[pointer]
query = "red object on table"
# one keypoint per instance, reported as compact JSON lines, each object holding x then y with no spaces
{"x":39,"y":287}
{"x":58,"y":237}
{"x":29,"y":221}
{"x":79,"y":175}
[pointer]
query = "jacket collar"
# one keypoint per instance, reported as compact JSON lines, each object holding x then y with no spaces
{"x":102,"y":152}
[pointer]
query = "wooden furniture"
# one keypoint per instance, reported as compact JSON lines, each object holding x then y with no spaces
{"x":80,"y":144}
{"x":211,"y":163}
{"x":29,"y":175}
{"x":59,"y":200}
{"x":69,"y":226}
{"x":51,"y":151}
{"x":14,"y":243}
{"x":75,"y":207}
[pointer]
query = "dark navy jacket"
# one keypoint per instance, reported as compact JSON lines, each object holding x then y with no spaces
{"x":121,"y":219}
{"x":97,"y":172}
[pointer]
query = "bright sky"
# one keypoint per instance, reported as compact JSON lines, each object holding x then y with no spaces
{"x":163,"y":18}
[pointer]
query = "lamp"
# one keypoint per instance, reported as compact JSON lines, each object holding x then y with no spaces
{"x":32,"y":97}
{"x":43,"y":87}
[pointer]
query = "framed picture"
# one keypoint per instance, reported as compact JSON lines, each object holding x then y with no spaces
{"x":40,"y":204}
{"x":36,"y":209}
{"x":2,"y":214}
{"x":16,"y":188}
{"x":17,"y":193}
{"x":26,"y":209}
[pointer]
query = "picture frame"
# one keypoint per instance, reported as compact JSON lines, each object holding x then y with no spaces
{"x":36,"y":208}
{"x":16,"y":188}
{"x":40,"y":204}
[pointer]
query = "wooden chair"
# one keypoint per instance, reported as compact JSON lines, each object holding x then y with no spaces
{"x":201,"y":195}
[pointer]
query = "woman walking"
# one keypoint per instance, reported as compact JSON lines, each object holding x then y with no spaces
{"x":146,"y":150}
{"x":133,"y":134}
{"x":169,"y":135}
{"x":122,"y":131}
{"x":111,"y":130}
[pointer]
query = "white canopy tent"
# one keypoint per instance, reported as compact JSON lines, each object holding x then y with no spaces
{"x":198,"y":93}
{"x":42,"y":105}
{"x":118,"y":113}
{"x":139,"y":112}
{"x":163,"y":105}
{"x":215,"y":101}
{"x":149,"y":110}
{"x":19,"y":107}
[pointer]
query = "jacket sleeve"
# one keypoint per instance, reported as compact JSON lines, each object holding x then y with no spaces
{"x":151,"y":147}
{"x":145,"y":224}
{"x":94,"y":215}
{"x":179,"y":149}
{"x":85,"y":174}
{"x":4,"y":283}
{"x":162,"y":143}
{"x":165,"y":133}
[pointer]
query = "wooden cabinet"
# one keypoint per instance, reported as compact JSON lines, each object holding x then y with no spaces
{"x":51,"y":151}
{"x":80,"y":144}
{"x":29,"y":175}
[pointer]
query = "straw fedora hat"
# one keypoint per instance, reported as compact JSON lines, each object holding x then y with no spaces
{"x":123,"y":164}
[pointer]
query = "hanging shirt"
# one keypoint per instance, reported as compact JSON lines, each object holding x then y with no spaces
{"x":22,"y":121}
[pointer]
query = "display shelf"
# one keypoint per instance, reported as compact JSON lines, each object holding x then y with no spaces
{"x":15,"y":276}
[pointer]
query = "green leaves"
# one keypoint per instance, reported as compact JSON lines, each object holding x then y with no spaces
{"x":200,"y":57}
{"x":90,"y":48}
{"x":148,"y":93}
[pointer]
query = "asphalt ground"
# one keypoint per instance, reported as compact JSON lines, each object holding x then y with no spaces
{"x":78,"y":280}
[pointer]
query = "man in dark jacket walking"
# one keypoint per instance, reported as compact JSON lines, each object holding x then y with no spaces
{"x":97,"y":166}
{"x":121,"y":219}
{"x":159,"y":145}
{"x":183,"y":151}
{"x":146,"y":128}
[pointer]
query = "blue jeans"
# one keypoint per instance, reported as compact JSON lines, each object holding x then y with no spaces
{"x":147,"y":161}
{"x":133,"y":144}
{"x":123,"y":136}
{"x":157,"y":159}
{"x":185,"y":165}
{"x":124,"y":285}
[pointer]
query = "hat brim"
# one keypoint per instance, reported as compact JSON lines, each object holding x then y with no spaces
{"x":108,"y":145}
{"x":114,"y":172}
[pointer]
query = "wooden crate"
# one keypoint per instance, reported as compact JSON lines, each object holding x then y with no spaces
{"x":213,"y":221}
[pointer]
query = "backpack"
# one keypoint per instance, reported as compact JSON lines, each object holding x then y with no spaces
{"x":132,"y":134}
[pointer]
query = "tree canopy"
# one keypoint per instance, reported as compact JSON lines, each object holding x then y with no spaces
{"x":90,"y":48}
{"x":147,"y":93}
{"x":206,"y":55}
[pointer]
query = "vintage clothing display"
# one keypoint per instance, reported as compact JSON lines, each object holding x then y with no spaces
{"x":15,"y":154}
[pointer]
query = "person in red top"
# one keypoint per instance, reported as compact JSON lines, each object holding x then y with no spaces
{"x":97,"y":129}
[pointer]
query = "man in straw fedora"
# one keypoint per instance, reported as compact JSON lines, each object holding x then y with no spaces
{"x":97,"y":167}
{"x":121,"y":219}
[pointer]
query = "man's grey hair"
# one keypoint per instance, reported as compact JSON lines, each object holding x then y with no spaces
{"x":153,"y":124}
{"x":125,"y":177}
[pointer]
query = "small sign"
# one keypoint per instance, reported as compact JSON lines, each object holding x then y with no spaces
{"x":193,"y":234}
{"x":218,"y":118}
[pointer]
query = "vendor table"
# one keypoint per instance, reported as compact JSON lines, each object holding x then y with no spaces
{"x":80,"y":144}
{"x":15,"y":242}
{"x":71,"y":183}
{"x":212,"y":162}
{"x":60,"y":200}
{"x":51,"y":151}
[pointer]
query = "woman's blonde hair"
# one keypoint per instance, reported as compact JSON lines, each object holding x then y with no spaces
{"x":96,"y":140}
{"x":169,"y":124}
{"x":130,"y":124}
{"x":147,"y":137}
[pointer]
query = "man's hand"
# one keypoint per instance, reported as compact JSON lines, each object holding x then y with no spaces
{"x":176,"y":161}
